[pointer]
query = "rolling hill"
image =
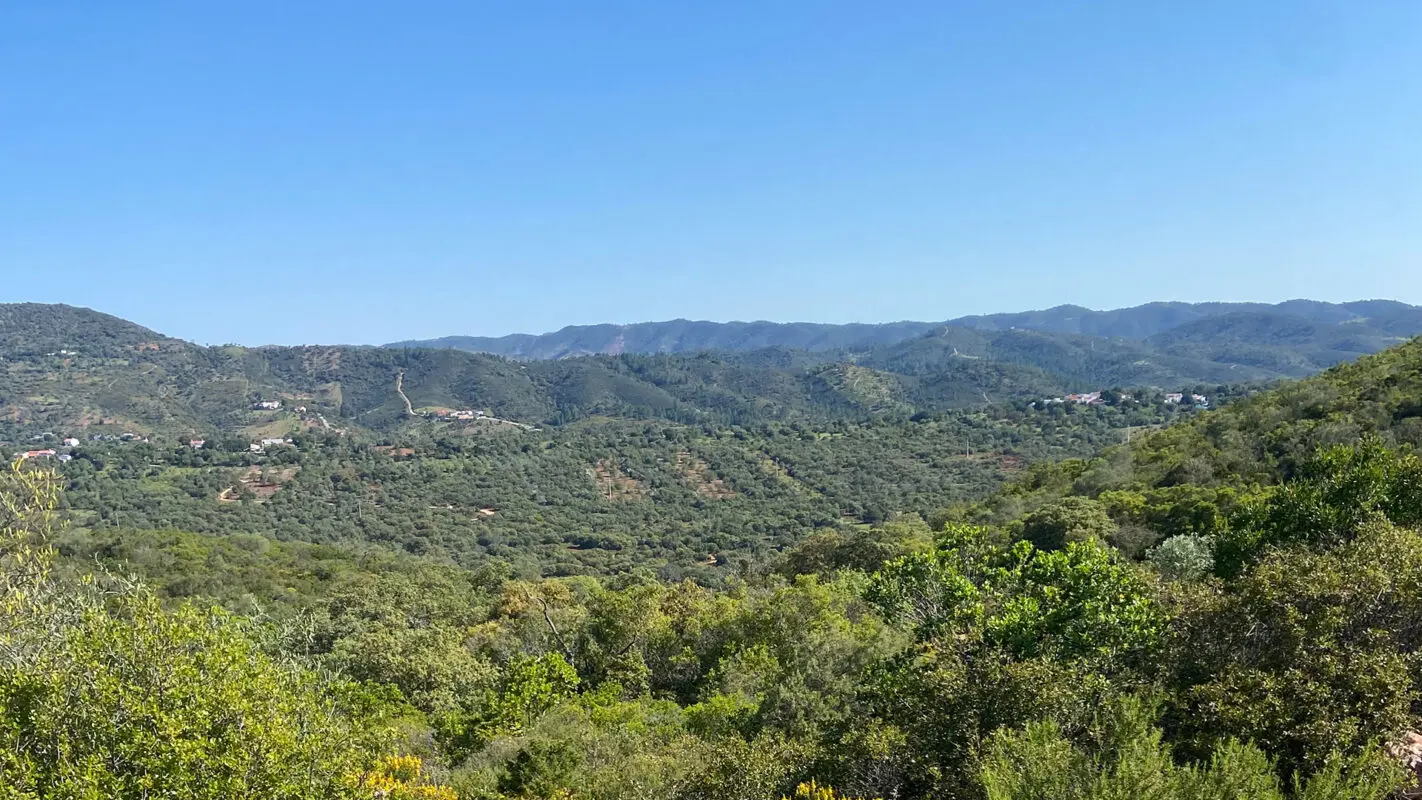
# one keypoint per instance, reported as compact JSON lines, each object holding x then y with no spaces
{"x":1189,"y":474}
{"x":77,"y":370}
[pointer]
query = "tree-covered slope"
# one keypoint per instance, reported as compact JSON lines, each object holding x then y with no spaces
{"x":1083,"y":361}
{"x":34,"y":329}
{"x":1015,"y":662}
{"x":593,"y":497}
{"x":73,"y":371}
{"x":1260,"y":440}
{"x":1280,"y":343}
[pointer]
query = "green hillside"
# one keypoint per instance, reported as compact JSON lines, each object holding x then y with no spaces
{"x":91,"y":374}
{"x":1222,"y":608}
{"x":1186,"y":478}
{"x":593,"y":497}
{"x":75,"y":372}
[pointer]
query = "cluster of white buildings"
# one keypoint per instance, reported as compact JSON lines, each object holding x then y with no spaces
{"x":1177,"y":398}
{"x":1095,"y":399}
{"x":464,"y":414}
{"x":72,"y":442}
{"x":255,"y":447}
{"x":1087,"y":399}
{"x":261,"y":447}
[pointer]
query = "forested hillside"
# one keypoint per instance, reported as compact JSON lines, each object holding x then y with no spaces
{"x":1224,"y":608}
{"x":1259,"y":441}
{"x":73,"y":372}
{"x":592,"y":498}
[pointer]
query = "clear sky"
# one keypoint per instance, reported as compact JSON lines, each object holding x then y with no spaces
{"x":273,"y":171}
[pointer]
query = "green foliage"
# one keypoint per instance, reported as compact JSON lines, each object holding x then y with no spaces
{"x":604,"y":498}
{"x":1184,"y":558}
{"x":742,"y":594}
{"x":103,"y":693}
{"x":1131,"y":761}
{"x":539,"y":770}
{"x":1006,"y":636}
{"x":135,"y":701}
{"x":1074,"y":519}
{"x":1336,"y":493}
{"x":1308,"y":652}
{"x":1078,"y":602}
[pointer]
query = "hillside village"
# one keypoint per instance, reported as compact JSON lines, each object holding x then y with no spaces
{"x":68,"y":445}
{"x":1113,"y":397}
{"x":65,"y":445}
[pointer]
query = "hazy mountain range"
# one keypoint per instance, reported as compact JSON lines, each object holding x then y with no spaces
{"x":75,"y":369}
{"x":1371,"y":321}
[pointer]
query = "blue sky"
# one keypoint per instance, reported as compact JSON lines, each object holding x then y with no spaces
{"x":278,"y":172}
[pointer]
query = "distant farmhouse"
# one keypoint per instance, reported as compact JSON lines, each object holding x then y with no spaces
{"x":462,"y":414}
{"x":261,"y":446}
{"x":1198,"y":400}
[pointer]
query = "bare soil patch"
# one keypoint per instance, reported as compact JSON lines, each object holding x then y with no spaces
{"x":698,"y":474}
{"x":262,"y":484}
{"x":615,"y":485}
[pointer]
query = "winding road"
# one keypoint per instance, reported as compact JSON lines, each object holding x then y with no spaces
{"x":400,"y":390}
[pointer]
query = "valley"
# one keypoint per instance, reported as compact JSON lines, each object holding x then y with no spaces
{"x":407,"y":402}
{"x":908,"y":572}
{"x":588,"y":461}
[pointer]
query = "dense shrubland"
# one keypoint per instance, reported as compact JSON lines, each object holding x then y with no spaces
{"x":1223,"y":608}
{"x":693,"y":501}
{"x":1272,"y":657}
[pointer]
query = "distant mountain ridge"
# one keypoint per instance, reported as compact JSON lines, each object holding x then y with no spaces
{"x":72,"y":369}
{"x":680,"y":336}
{"x":1142,"y":322}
